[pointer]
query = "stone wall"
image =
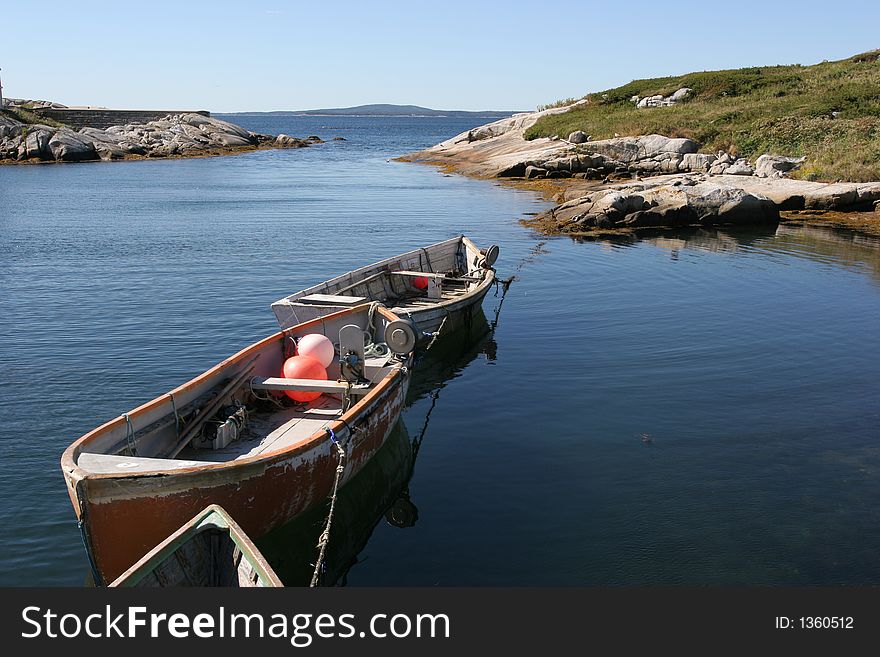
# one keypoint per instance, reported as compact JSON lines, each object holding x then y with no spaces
{"x":104,"y":118}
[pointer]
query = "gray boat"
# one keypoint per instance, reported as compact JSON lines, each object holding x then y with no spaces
{"x":435,"y":287}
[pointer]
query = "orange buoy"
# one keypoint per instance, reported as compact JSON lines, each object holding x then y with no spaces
{"x":318,"y":347}
{"x":420,"y":282}
{"x":303,"y":367}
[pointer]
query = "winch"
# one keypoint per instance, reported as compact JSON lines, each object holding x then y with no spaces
{"x":218,"y":433}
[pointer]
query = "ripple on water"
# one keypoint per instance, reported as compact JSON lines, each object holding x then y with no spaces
{"x":695,"y":408}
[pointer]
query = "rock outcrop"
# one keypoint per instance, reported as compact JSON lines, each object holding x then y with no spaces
{"x":704,"y":200}
{"x":660,"y":100}
{"x":681,"y":186}
{"x":683,"y":202}
{"x":499,"y":149}
{"x":173,"y":135}
{"x":776,"y":166}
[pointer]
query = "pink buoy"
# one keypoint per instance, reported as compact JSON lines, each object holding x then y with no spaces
{"x":420,"y":282}
{"x":303,"y":367}
{"x":318,"y":347}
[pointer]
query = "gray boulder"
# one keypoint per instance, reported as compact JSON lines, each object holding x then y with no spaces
{"x":36,"y":144}
{"x":721,"y":204}
{"x":578,"y":137}
{"x":740,"y":167}
{"x":69,"y":146}
{"x":665,"y":205}
{"x":286,"y":141}
{"x":696,"y":162}
{"x":776,"y":166}
{"x":535,"y":172}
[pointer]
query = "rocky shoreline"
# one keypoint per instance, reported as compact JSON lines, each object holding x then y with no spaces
{"x":626,"y":184}
{"x":175,"y":135}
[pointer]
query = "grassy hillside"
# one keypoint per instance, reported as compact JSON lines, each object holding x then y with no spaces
{"x":829,"y":112}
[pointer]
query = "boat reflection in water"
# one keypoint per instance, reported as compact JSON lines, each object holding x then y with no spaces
{"x":380,"y":491}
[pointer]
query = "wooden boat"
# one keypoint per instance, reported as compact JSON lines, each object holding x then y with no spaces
{"x":458,"y":275}
{"x":209,"y":550}
{"x":137,"y":478}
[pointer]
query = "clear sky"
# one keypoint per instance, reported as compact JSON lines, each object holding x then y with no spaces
{"x":447,"y":54}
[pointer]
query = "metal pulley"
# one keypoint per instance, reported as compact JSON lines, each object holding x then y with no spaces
{"x":490,"y":255}
{"x":400,"y":336}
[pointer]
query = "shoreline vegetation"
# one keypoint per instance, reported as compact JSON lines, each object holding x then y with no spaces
{"x":716,"y":148}
{"x":28,"y":138}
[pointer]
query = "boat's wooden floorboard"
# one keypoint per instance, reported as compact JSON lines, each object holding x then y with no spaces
{"x":270,"y":431}
{"x":421,"y":302}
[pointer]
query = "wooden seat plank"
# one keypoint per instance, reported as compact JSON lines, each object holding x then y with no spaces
{"x":341,"y":299}
{"x":306,"y":385}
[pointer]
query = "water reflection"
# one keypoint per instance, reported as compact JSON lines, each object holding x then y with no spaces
{"x":715,"y":240}
{"x":381,"y":489}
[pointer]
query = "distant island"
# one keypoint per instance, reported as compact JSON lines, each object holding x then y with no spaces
{"x":382,"y":109}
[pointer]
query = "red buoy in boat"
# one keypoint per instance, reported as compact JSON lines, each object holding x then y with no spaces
{"x":303,"y":367}
{"x":420,"y":282}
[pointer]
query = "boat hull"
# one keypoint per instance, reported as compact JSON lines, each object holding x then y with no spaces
{"x":123,"y":518}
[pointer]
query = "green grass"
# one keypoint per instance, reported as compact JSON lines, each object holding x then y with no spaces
{"x":829,"y":113}
{"x":30,"y":118}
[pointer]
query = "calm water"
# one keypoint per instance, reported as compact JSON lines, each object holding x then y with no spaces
{"x":691,"y":410}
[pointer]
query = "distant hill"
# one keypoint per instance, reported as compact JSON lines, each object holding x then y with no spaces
{"x":381,"y":110}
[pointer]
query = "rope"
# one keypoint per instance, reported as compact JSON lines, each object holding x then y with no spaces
{"x":428,"y":260}
{"x":373,"y":349}
{"x":129,"y":437}
{"x":436,"y":334}
{"x":265,"y":398}
{"x":324,"y":539}
{"x":370,"y":328}
{"x":176,"y":415}
{"x":96,"y":575}
{"x":376,"y":350}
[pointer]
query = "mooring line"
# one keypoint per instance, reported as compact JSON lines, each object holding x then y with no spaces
{"x":324,"y":539}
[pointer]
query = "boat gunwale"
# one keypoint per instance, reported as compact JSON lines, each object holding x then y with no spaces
{"x":74,"y":472}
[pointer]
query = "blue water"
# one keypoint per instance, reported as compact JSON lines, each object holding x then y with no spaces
{"x":690,"y":409}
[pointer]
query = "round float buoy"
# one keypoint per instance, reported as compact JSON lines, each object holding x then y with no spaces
{"x":303,"y":367}
{"x":420,"y":282}
{"x":318,"y":347}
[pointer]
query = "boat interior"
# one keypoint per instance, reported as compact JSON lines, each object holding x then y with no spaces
{"x":240,"y":409}
{"x":406,"y":283}
{"x":209,"y":558}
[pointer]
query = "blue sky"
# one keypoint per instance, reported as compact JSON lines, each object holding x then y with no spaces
{"x":446,"y":54}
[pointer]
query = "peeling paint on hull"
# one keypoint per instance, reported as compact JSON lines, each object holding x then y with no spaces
{"x":126,"y":517}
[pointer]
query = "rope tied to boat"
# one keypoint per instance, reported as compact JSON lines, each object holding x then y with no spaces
{"x":176,"y":415}
{"x":129,"y":436}
{"x":324,"y":538}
